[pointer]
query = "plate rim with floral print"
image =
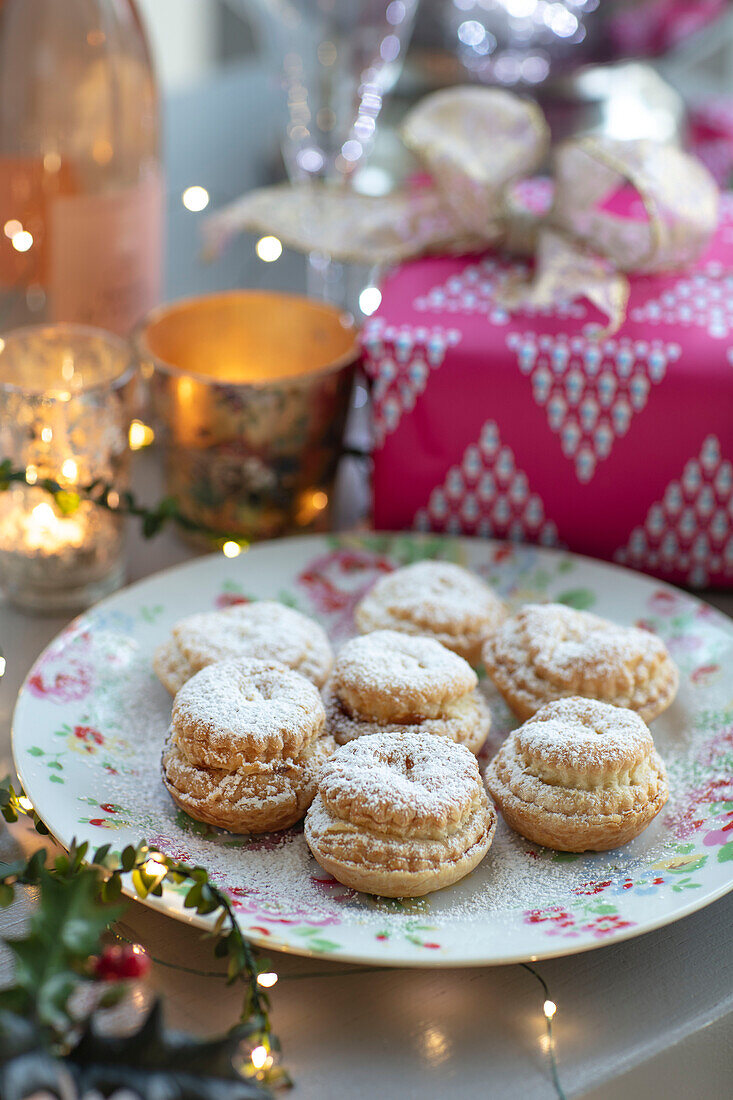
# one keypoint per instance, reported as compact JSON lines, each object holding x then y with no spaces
{"x":66,"y":754}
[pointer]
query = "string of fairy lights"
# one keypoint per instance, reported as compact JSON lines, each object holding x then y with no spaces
{"x":104,"y":495}
{"x":268,"y":979}
{"x":260,"y":1059}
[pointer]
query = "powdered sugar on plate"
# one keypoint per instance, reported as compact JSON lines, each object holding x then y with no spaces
{"x":276,"y":873}
{"x":92,"y":720}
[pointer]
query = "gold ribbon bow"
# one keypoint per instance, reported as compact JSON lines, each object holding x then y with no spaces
{"x":475,"y":144}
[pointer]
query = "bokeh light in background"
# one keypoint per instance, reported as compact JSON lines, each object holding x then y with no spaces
{"x":269,"y":249}
{"x":195,"y":199}
{"x":515,"y":42}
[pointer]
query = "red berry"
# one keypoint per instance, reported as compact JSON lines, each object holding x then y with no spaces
{"x":121,"y":963}
{"x":102,"y":971}
{"x":135,"y":964}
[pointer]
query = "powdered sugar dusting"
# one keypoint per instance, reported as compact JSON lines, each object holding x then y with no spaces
{"x":388,"y":662}
{"x":275,"y":874}
{"x":249,"y":701}
{"x":565,"y":644}
{"x":585,"y":734}
{"x":437,"y":595}
{"x":411,"y":778}
{"x":265,"y":629}
{"x":93,"y":695}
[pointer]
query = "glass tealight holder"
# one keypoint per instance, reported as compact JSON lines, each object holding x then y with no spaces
{"x":66,"y":400}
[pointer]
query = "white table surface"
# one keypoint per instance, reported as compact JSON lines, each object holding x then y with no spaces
{"x":649,"y":1018}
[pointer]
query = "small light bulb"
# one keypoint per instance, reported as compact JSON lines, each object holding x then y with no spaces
{"x":23,"y":241}
{"x":31,"y":475}
{"x":550,"y":1008}
{"x":370,"y":300}
{"x":259,"y":1057}
{"x":195,"y":199}
{"x":69,"y":469}
{"x":269,"y":249}
{"x":231,"y":549}
{"x":141,"y":435}
{"x":47,"y":434}
{"x":320,"y":500}
{"x":2,"y":666}
{"x":267,"y":980}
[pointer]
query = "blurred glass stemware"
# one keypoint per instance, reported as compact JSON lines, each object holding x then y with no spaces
{"x":516,"y":43}
{"x":338,"y":59}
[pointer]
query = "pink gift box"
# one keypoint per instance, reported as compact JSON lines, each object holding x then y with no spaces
{"x":524,"y":426}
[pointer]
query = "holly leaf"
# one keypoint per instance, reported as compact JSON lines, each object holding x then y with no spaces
{"x":67,"y":502}
{"x":64,"y":931}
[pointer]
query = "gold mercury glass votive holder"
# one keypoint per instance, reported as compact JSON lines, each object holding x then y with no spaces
{"x":66,"y":395}
{"x":250,"y":390}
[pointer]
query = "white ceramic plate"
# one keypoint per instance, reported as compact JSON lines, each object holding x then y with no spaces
{"x":91,"y":718}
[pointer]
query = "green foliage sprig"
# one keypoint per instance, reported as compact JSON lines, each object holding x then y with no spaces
{"x":104,"y":495}
{"x":80,"y":894}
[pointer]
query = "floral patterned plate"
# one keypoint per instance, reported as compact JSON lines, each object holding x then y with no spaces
{"x":91,"y":718}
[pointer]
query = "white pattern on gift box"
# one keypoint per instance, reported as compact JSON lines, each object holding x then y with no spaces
{"x":590,"y":390}
{"x":474,"y":291}
{"x":487,"y":495}
{"x":689,"y":532}
{"x":399,"y":358}
{"x":701,"y":299}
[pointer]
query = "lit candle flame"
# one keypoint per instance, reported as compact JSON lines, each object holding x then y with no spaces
{"x":44,"y":530}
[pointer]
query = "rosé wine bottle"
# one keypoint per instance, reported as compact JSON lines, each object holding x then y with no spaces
{"x":81,"y":191}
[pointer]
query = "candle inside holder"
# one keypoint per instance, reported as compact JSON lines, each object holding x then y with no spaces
{"x":66,"y":394}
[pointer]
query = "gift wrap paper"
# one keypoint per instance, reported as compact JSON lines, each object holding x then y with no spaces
{"x":533,"y":426}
